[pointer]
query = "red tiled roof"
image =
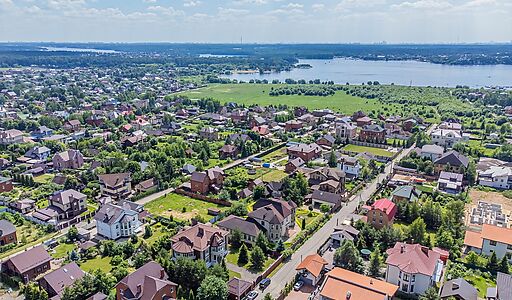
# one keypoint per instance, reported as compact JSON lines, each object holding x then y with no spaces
{"x":413,"y":258}
{"x":386,"y":206}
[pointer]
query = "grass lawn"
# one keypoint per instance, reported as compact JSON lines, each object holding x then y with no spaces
{"x":90,"y":208}
{"x":158,"y":231}
{"x":304,"y":213}
{"x":232,"y":258}
{"x":273,"y":156}
{"x":258,"y":94}
{"x":173,"y":204}
{"x":372,"y":150}
{"x":62,"y":250}
{"x":45,"y":178}
{"x":32,"y":236}
{"x":274,"y":175}
{"x":233,"y":274}
{"x":102,"y":263}
{"x":480,"y":283}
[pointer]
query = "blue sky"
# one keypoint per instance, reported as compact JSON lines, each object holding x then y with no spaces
{"x":275,"y":21}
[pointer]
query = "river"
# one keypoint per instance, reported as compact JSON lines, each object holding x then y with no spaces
{"x":341,"y":70}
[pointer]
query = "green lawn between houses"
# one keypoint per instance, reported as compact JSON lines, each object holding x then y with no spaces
{"x":102,"y":263}
{"x":173,"y":204}
{"x":480,"y":283}
{"x":372,"y":150}
{"x":62,"y":250}
{"x":258,"y":94}
{"x":232,"y":258}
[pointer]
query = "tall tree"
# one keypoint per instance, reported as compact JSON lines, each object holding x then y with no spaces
{"x":212,"y":288}
{"x":257,"y":258}
{"x":375,"y":263}
{"x":347,"y":257}
{"x":243,"y":256}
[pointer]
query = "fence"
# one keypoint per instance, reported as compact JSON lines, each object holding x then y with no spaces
{"x":367,"y":144}
{"x":203,"y":197}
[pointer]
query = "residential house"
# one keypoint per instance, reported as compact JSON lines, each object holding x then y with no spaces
{"x":23,"y":206}
{"x":41,"y":132}
{"x":350,"y":165}
{"x":201,"y":242}
{"x":503,"y":289}
{"x":450,"y":183}
{"x":7,"y":233}
{"x":275,"y":216}
{"x":248,"y":228}
{"x":307,"y":152}
{"x":381,"y":213}
{"x":209,"y":133}
{"x":149,"y":282}
{"x":117,"y":186}
{"x":408,"y":193}
{"x":146,"y":185}
{"x":209,"y":181}
{"x":409,"y":124}
{"x":68,"y":204}
{"x":448,"y":137}
{"x":459,"y":289}
{"x":238,"y":288}
{"x":293,"y":164}
{"x":490,"y":239}
{"x":56,"y":281}
{"x":320,"y":197}
{"x":262,"y":130}
{"x":72,"y":125}
{"x":293,"y":125}
{"x":342,"y":233}
{"x":117,"y":221}
{"x":341,"y":284}
{"x":498,"y":177}
{"x":11,"y":137}
{"x":364,"y":121}
{"x":228,"y":151}
{"x":5,"y":184}
{"x":346,"y":130}
{"x":326,"y":140}
{"x":311,"y":269}
{"x":69,"y":159}
{"x":451,"y":161}
{"x":431,"y":152}
{"x":372,"y":134}
{"x":413,"y":267}
{"x":28,"y":264}
{"x":327,"y":179}
{"x":40,"y":153}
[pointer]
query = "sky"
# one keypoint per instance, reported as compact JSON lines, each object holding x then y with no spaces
{"x":257,"y":21}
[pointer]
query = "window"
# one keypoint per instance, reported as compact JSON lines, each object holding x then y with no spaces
{"x":405,"y":287}
{"x":492,"y":243}
{"x":509,"y":247}
{"x":405,"y":277}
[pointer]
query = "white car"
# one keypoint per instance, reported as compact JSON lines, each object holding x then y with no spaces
{"x":252,"y":295}
{"x":298,"y":285}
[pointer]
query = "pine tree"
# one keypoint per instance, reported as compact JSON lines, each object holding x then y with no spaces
{"x":504,"y":266}
{"x":332,"y":160}
{"x":375,"y":263}
{"x":492,"y":264}
{"x":303,"y":225}
{"x":243,"y":257}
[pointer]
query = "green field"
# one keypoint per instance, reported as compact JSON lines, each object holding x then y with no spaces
{"x":173,"y":204}
{"x":258,"y":94}
{"x":102,"y":263}
{"x":372,"y":150}
{"x":63,"y":250}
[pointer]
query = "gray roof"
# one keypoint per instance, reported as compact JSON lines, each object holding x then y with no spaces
{"x":30,"y":259}
{"x":504,"y":285}
{"x":406,"y":191}
{"x":453,"y":158}
{"x":63,"y":277}
{"x":267,"y":213}
{"x":432,"y":149}
{"x":110,"y":213}
{"x":6,"y":228}
{"x":459,"y":287}
{"x":326,"y":197}
{"x":234,"y":222}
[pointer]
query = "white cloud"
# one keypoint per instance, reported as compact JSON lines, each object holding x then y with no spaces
{"x":318,"y":6}
{"x":168,"y":11}
{"x":294,"y":5}
{"x":192,"y":3}
{"x":149,"y":1}
{"x":424,"y":4}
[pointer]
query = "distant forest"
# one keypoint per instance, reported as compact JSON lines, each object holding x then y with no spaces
{"x":263,"y":56}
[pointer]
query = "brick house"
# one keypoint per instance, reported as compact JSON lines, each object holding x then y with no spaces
{"x":7,"y":233}
{"x":209,"y":181}
{"x":209,"y":133}
{"x":381,"y":213}
{"x":72,"y":125}
{"x":228,"y":151}
{"x":117,"y":186}
{"x":5,"y":184}
{"x":293,"y":125}
{"x":69,"y":159}
{"x":451,"y":161}
{"x":56,"y":281}
{"x":68,"y":203}
{"x":372,"y":134}
{"x":28,"y":264}
{"x":305,"y":151}
{"x":148,"y":282}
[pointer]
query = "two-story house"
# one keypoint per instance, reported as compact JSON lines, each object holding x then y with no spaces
{"x":68,"y":204}
{"x":381,"y":213}
{"x":498,"y":177}
{"x":431,"y":152}
{"x":40,"y":153}
{"x":11,"y":137}
{"x":490,"y":239}
{"x":448,"y":137}
{"x":115,"y":221}
{"x":275,"y":216}
{"x":69,"y":159}
{"x":72,"y":125}
{"x":350,"y":165}
{"x":209,"y":181}
{"x":305,"y":151}
{"x":55,"y":282}
{"x":29,"y":264}
{"x":346,"y":130}
{"x":248,"y":228}
{"x":149,"y":282}
{"x":372,"y":134}
{"x":451,"y":161}
{"x":209,"y":133}
{"x":117,"y":186}
{"x":7,"y":233}
{"x":413,"y":267}
{"x":201,"y":242}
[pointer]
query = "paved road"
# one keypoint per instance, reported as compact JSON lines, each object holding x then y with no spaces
{"x":287,"y":271}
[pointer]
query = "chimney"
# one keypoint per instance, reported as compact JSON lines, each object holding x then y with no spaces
{"x":402,"y":248}
{"x":348,"y":296}
{"x":424,"y":250}
{"x":162,"y":273}
{"x":139,"y":289}
{"x":455,"y":285}
{"x":200,"y":232}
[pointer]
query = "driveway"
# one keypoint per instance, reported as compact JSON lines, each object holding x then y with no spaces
{"x":301,"y":294}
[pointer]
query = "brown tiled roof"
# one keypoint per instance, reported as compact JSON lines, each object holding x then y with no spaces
{"x":30,"y":259}
{"x":63,"y":277}
{"x":473,"y":239}
{"x":313,"y":263}
{"x":340,"y":282}
{"x":150,"y":276}
{"x":498,"y":234}
{"x":199,"y":237}
{"x":238,"y":287}
{"x":234,"y":222}
{"x":113,"y":179}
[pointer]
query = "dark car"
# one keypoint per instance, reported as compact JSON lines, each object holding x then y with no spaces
{"x":264,"y":283}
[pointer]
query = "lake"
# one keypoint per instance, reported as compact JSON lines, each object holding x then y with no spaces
{"x":341,"y":70}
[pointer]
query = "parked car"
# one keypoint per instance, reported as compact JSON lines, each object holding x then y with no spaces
{"x":252,"y":295}
{"x":298,"y":285}
{"x":264,"y":283}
